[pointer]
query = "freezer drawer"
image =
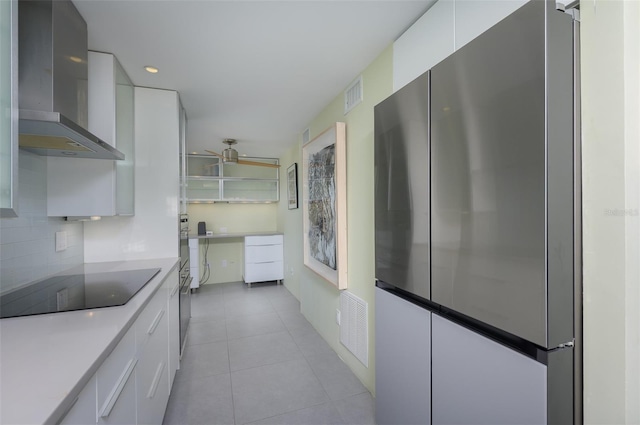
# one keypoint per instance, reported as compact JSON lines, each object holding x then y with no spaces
{"x":403,"y":361}
{"x":478,"y":381}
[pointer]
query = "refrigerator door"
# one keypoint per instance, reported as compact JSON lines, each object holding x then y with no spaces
{"x":402,"y":188}
{"x":488,"y":177}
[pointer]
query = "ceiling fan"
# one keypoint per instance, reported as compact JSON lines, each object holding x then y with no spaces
{"x":230,"y":156}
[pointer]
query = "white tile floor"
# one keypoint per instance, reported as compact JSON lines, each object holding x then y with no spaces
{"x":252,"y":358}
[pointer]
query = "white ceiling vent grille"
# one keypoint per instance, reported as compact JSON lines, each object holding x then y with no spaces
{"x":354,"y":333}
{"x":353,"y":95}
{"x":305,"y":136}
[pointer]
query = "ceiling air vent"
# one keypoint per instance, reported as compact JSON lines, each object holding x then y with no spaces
{"x":305,"y":136}
{"x":353,"y":95}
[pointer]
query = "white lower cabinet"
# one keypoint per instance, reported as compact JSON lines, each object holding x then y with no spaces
{"x":132,"y":385}
{"x":83,"y":410}
{"x":173,"y":310}
{"x":152,"y":339}
{"x":263,"y":258}
{"x":115,"y":381}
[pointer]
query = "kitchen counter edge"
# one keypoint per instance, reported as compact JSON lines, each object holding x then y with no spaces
{"x":78,"y":341}
{"x":234,"y":235}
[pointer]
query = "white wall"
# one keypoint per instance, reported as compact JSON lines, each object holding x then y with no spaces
{"x":610,"y":64}
{"x":153,"y":231}
{"x":27,"y":242}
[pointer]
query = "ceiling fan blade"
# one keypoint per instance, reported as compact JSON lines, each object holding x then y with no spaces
{"x":216,"y":154}
{"x":260,"y":164}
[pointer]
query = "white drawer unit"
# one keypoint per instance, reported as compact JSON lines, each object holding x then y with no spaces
{"x":133,"y":384}
{"x":152,"y":370}
{"x":194,"y":261}
{"x":263,"y":258}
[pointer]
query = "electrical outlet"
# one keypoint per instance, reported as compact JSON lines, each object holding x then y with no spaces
{"x":61,"y":241}
{"x":291,"y":270}
{"x":224,"y":263}
{"x":338,"y":317}
{"x":223,"y":230}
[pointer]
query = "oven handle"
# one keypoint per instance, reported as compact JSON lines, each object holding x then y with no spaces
{"x":175,"y":289}
{"x":188,"y":286}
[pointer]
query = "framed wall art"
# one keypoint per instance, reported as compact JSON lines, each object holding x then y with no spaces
{"x":324,"y":204}
{"x":292,"y":186}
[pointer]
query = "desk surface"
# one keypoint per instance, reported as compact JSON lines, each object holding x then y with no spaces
{"x":233,"y":235}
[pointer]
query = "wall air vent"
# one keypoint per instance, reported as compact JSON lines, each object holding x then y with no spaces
{"x":353,"y":95}
{"x":305,"y":136}
{"x":354,"y":333}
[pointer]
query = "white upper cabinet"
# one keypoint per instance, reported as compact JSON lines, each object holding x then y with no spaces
{"x":88,"y":187}
{"x":210,"y":180}
{"x":443,"y":29}
{"x":428,"y":41}
{"x":8,"y":108}
{"x":473,"y":17}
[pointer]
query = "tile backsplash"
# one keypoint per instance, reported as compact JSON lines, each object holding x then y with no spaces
{"x":27,"y":242}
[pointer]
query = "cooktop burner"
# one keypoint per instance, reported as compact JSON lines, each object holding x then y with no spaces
{"x":75,"y":292}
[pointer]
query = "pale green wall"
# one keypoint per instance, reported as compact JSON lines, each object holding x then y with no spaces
{"x":318,"y":298}
{"x":237,"y":218}
{"x":290,"y":222}
{"x":610,"y":66}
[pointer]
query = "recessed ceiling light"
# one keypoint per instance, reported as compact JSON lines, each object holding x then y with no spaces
{"x":151,"y":69}
{"x":194,"y":153}
{"x":75,"y":59}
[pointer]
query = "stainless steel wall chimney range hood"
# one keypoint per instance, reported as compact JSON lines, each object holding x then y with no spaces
{"x":53,"y":74}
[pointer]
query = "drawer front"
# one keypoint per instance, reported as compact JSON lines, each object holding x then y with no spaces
{"x":83,"y":411}
{"x":124,"y":410}
{"x":263,"y":240}
{"x":261,"y":272}
{"x":149,"y":319}
{"x":173,"y":324}
{"x":116,"y":370}
{"x":152,"y":375}
{"x":262,"y":253}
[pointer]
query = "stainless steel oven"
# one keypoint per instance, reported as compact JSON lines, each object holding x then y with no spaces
{"x":185,"y":280}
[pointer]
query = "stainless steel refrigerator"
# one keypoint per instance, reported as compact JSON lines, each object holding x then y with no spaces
{"x":477,"y":215}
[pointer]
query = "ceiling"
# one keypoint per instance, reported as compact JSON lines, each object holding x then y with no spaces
{"x":256,"y":71}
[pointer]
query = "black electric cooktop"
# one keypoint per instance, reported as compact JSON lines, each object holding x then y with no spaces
{"x":75,"y":292}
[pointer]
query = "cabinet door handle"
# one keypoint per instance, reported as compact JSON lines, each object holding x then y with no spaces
{"x":156,"y":381}
{"x":155,"y":322}
{"x":117,"y":389}
{"x":187,"y":287}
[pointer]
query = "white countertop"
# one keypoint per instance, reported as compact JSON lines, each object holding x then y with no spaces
{"x":46,"y":360}
{"x":233,"y":235}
